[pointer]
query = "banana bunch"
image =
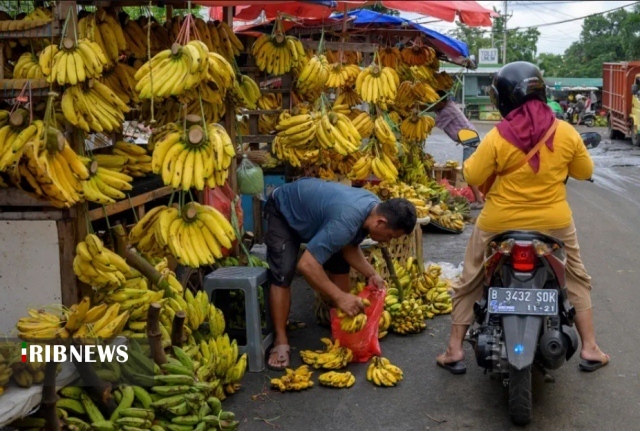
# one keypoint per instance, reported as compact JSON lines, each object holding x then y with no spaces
{"x":105,"y":186}
{"x":26,"y":375}
{"x":384,"y":168}
{"x":143,"y":234}
{"x":296,"y":157}
{"x":335,"y":379}
{"x":13,"y":140}
{"x":349,"y":97}
{"x":197,"y":308}
{"x":383,"y":373}
{"x":385,"y":136}
{"x":217,"y":362}
{"x":5,"y":375}
{"x":202,"y":158}
{"x":351,"y":324}
{"x":414,"y":165}
{"x":294,"y":380}
{"x":93,"y":107}
{"x":390,"y":56}
{"x":341,"y":109}
{"x":74,"y":63}
{"x":98,"y":266}
{"x":424,"y":93}
{"x":298,"y":131}
{"x":27,"y":67}
{"x":422,"y":73}
{"x":314,"y":75}
{"x":353,"y":58}
{"x":405,"y":98}
{"x":441,"y":215}
{"x":337,"y":132}
{"x":103,"y":28}
{"x":195,"y":236}
{"x":442,"y":81}
{"x":342,"y":75}
{"x":106,"y":326}
{"x":362,"y":168}
{"x":363,"y":124}
{"x":416,"y":128}
{"x":267,"y":122}
{"x":121,"y":81}
{"x":135,"y":298}
{"x":245,"y":92}
{"x":277,"y":54}
{"x":137,"y":162}
{"x":407,"y":316}
{"x":49,"y":169}
{"x":384,"y":324}
{"x":439,"y":299}
{"x":451,"y":164}
{"x":38,"y":17}
{"x":417,"y":55}
{"x":333,"y":357}
{"x":377,"y":85}
{"x":41,"y":325}
{"x":223,"y":40}
{"x":135,"y":37}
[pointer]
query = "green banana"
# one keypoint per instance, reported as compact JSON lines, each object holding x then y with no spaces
{"x":176,"y":427}
{"x":134,"y":422}
{"x":143,"y":396}
{"x":78,"y":423}
{"x":170,"y":390}
{"x":168,"y":402}
{"x":179,"y":410}
{"x":201,"y":426}
{"x":29,"y":422}
{"x":127,"y":401}
{"x":186,"y":420}
{"x":134,"y":412}
{"x":103,"y":426}
{"x":91,"y":409}
{"x":173,"y":379}
{"x":72,"y":392}
{"x":215,"y":404}
{"x":108,"y":375}
{"x":177,"y":369}
{"x":183,"y":357}
{"x":227,"y":416}
{"x":72,"y":405}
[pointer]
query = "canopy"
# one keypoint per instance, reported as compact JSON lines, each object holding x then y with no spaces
{"x":468,"y":12}
{"x":456,"y":50}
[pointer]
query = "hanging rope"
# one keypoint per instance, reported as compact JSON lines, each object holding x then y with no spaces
{"x":153,"y":118}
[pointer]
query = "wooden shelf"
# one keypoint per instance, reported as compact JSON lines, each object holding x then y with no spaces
{"x":249,"y":139}
{"x":48,"y":30}
{"x":124,"y":205}
{"x":11,"y":88}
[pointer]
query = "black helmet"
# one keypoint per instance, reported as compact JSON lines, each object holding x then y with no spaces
{"x":514,"y":84}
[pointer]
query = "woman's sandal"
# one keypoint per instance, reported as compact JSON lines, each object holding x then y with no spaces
{"x":284,"y":357}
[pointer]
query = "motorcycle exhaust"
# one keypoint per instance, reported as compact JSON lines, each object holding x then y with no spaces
{"x":553,"y":348}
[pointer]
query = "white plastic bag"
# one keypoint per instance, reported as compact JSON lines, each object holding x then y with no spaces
{"x":250,"y":178}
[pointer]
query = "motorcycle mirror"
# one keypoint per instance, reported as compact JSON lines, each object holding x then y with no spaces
{"x":468,"y":137}
{"x":591,"y":139}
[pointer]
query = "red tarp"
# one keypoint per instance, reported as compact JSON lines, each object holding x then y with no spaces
{"x":468,"y":12}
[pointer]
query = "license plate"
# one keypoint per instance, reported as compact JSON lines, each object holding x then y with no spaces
{"x":523,"y":301}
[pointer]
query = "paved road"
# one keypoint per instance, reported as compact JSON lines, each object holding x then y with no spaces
{"x":606,"y":214}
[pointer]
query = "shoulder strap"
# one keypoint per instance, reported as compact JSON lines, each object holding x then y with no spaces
{"x":533,"y":151}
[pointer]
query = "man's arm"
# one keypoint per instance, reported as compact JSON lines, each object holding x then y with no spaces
{"x":317,"y":278}
{"x":355,"y":258}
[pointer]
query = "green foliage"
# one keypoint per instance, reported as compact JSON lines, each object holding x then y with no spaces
{"x":377,"y":7}
{"x":551,"y":64}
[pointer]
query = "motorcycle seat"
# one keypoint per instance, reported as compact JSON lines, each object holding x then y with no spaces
{"x":527,"y":235}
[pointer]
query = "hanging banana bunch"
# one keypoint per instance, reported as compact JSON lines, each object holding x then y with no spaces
{"x":105,"y":186}
{"x":390,"y":57}
{"x":348,"y":97}
{"x":363,"y":124}
{"x":385,"y":136}
{"x":418,"y":54}
{"x":377,"y":85}
{"x":103,"y":28}
{"x":314,"y":75}
{"x":74,"y":63}
{"x":341,"y":76}
{"x":337,"y":132}
{"x":416,"y":128}
{"x":277,"y":54}
{"x":245,"y":92}
{"x":27,"y":67}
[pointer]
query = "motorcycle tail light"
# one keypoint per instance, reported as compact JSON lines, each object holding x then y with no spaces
{"x":523,"y":257}
{"x":506,"y":246}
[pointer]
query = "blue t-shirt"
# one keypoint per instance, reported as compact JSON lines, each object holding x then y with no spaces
{"x":326,"y":215}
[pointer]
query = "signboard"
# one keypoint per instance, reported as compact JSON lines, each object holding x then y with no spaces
{"x":488,"y":56}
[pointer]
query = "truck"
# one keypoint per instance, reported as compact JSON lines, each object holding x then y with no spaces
{"x":621,"y":98}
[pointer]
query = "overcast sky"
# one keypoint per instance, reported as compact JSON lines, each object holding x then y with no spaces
{"x":553,"y":39}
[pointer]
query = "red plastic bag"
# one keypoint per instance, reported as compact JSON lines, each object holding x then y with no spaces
{"x":221,"y":198}
{"x":364,"y":344}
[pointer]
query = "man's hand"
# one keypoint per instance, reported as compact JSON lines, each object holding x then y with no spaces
{"x":377,"y":281}
{"x":350,"y":304}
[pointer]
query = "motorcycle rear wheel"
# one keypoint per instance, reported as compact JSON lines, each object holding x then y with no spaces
{"x":520,"y":399}
{"x":589,"y":121}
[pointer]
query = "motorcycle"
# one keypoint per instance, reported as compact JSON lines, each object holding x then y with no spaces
{"x":573,"y":117}
{"x":524,"y":321}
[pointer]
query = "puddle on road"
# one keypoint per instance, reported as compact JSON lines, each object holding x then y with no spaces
{"x":614,"y":162}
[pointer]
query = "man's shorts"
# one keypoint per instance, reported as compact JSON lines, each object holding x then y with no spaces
{"x":467,"y":152}
{"x":283,"y":245}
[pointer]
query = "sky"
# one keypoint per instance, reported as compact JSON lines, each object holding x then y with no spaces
{"x":553,"y":39}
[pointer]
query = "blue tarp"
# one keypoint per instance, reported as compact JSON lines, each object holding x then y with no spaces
{"x":369,"y":17}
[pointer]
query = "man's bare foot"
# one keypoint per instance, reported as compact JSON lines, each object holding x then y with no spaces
{"x":279,"y":357}
{"x":450,"y":356}
{"x":594,"y":354}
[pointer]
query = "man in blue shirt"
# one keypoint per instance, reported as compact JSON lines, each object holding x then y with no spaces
{"x":332,"y":219}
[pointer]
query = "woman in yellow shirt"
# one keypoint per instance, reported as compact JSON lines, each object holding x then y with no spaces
{"x":532,"y":197}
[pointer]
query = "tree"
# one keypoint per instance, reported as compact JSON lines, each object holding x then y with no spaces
{"x":551,"y":64}
{"x":377,"y":7}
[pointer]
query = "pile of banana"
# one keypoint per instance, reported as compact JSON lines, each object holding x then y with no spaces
{"x":384,"y":324}
{"x":93,"y":107}
{"x":39,"y":16}
{"x":407,"y":316}
{"x":127,"y":158}
{"x":194,"y":157}
{"x":335,"y":379}
{"x":333,"y":357}
{"x":26,"y":374}
{"x":381,"y":165}
{"x":294,"y":380}
{"x":416,"y":128}
{"x":314,"y":75}
{"x":121,"y":81}
{"x":103,"y":28}
{"x":5,"y":375}
{"x":383,"y":373}
{"x":441,"y":215}
{"x":98,"y":266}
{"x":352,"y":324}
{"x":277,"y":54}
{"x":27,"y":67}
{"x":414,"y":166}
{"x":378,"y":85}
{"x":74,"y":63}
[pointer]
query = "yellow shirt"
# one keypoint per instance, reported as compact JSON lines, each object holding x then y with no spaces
{"x":524,"y":199}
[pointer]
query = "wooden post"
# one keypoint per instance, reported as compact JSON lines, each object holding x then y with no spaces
{"x":177,"y":328}
{"x":49,"y":397}
{"x":154,"y":335}
{"x":67,"y":241}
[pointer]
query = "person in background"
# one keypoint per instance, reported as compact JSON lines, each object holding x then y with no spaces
{"x":450,"y":119}
{"x":534,"y":197}
{"x":332,"y":219}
